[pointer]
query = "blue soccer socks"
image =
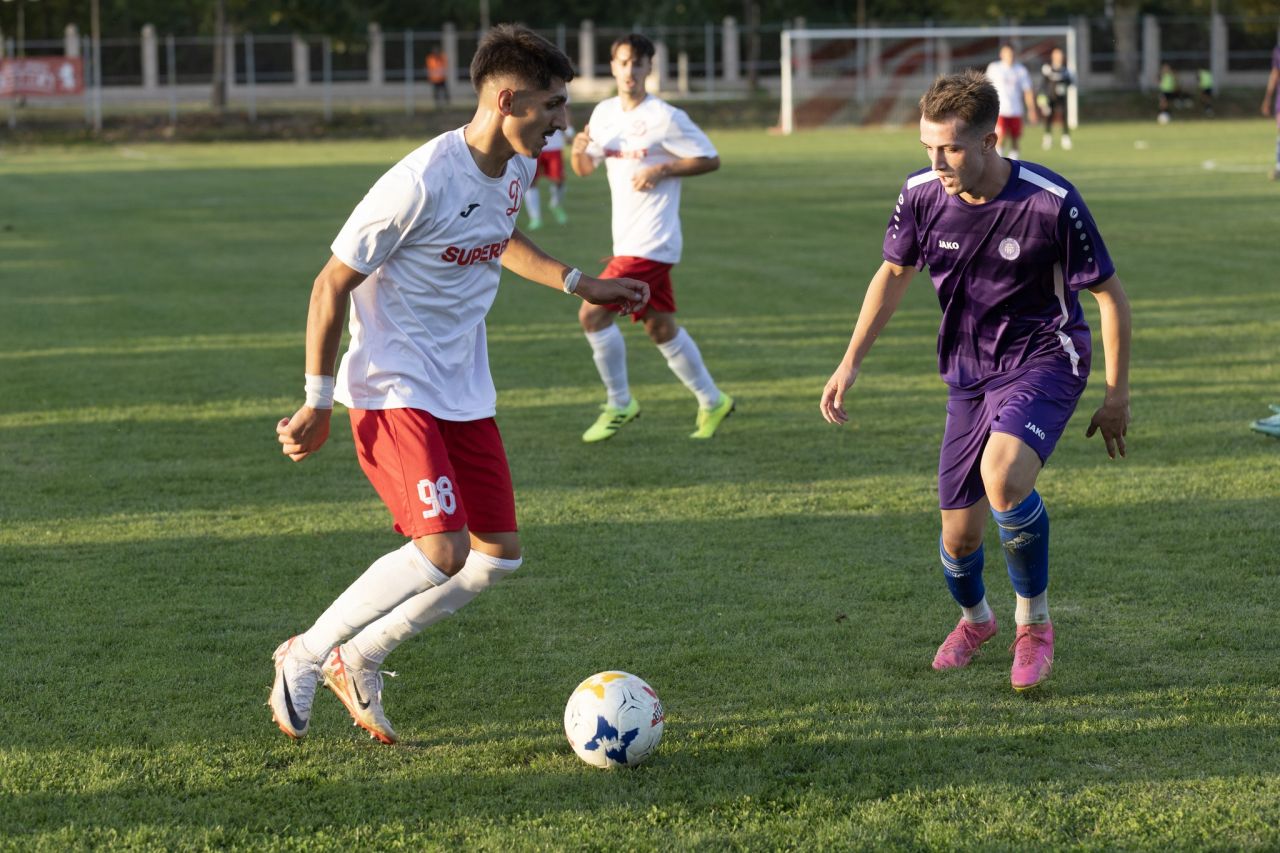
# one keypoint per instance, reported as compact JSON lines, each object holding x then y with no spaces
{"x":1024,"y":533}
{"x":964,"y":576}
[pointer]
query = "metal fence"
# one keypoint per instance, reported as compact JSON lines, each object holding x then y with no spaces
{"x":386,"y":69}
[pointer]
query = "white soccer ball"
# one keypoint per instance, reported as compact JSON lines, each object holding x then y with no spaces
{"x":613,"y":719}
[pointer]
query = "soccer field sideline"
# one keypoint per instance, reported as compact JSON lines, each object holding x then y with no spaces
{"x":778,"y":587}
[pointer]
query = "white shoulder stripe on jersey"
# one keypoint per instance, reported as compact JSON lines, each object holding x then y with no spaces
{"x":1041,"y":181}
{"x":912,"y":183}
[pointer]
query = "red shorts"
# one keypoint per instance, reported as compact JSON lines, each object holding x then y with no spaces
{"x":436,"y":475}
{"x":657,"y":275}
{"x":1009,"y":127}
{"x":551,"y":164}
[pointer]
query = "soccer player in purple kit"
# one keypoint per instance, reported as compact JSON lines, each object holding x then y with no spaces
{"x":1009,"y":245}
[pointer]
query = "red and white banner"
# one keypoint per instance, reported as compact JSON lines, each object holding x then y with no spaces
{"x":41,"y":76}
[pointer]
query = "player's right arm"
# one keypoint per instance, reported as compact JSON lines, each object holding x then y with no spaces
{"x":884,"y":294}
{"x":582,"y":162}
{"x":308,"y":429}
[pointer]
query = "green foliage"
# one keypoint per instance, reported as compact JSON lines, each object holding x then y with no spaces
{"x":778,"y":586}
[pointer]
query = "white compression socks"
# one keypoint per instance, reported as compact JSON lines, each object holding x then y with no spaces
{"x":390,"y":580}
{"x":609,"y":349}
{"x":557,"y":195}
{"x":380,"y":638}
{"x":685,"y":362}
{"x":533,"y":204}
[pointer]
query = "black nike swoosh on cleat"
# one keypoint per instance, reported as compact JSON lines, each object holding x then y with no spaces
{"x":294,"y":720}
{"x":470,"y":208}
{"x":359,"y":699}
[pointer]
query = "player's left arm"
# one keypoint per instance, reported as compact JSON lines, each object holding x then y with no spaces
{"x":1112,"y":417}
{"x":524,"y":258}
{"x":686,"y":167}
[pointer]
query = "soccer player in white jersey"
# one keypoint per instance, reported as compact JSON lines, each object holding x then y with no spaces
{"x":647,"y":146}
{"x":1017,"y":98}
{"x":419,"y":261}
{"x":1009,"y":246}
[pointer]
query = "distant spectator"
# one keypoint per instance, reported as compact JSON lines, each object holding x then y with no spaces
{"x":1171,"y":94}
{"x":438,"y":75}
{"x":1271,"y":102}
{"x":1056,"y":81}
{"x":1204,"y":78}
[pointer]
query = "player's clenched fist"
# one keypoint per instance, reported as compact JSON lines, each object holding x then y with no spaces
{"x":631,"y":294}
{"x":304,"y":433}
{"x":581,"y":141}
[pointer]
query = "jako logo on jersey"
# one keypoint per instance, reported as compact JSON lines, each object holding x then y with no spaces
{"x":513,"y":193}
{"x":948,"y":244}
{"x":467,"y":257}
{"x":1035,"y":429}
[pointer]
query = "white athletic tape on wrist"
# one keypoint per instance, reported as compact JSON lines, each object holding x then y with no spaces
{"x":319,"y":391}
{"x":571,"y":280}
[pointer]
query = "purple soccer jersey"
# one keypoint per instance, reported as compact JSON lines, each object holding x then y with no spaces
{"x":1007,"y":273}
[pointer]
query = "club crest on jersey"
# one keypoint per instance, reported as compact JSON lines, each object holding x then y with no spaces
{"x":478,"y":254}
{"x":513,"y":193}
{"x":1009,"y":249}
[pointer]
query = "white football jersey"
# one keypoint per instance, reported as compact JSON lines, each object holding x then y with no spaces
{"x":430,"y":236}
{"x":1010,"y":82}
{"x":645,"y":224}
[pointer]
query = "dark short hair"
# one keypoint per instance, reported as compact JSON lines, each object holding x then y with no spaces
{"x":641,"y":47}
{"x":511,"y":49}
{"x":968,"y":96}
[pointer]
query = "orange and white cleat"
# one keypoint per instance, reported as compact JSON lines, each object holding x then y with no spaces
{"x":360,"y":690}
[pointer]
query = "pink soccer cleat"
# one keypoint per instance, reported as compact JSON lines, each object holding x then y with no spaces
{"x":963,"y":643}
{"x":1032,"y":656}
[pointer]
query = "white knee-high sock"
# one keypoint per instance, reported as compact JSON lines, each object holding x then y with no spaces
{"x":609,"y":349}
{"x":557,"y":195}
{"x":533,"y":203}
{"x":685,"y":362}
{"x":390,"y":580}
{"x":380,"y":638}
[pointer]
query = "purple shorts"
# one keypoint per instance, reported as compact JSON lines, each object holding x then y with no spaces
{"x":1034,"y":407}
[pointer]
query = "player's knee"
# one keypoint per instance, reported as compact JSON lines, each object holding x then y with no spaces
{"x":660,"y":328}
{"x":961,"y":543}
{"x":594,"y":318}
{"x":446,"y":551}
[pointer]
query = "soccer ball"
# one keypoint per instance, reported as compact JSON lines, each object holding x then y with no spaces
{"x":613,"y":719}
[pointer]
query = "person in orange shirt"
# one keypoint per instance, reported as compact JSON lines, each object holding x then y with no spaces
{"x":437,"y":75}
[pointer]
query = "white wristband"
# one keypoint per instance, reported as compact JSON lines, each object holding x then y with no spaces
{"x":571,"y":280}
{"x":319,"y":391}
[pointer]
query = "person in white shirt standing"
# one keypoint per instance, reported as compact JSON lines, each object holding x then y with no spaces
{"x":1017,"y":98}
{"x":647,"y":146}
{"x":419,"y":261}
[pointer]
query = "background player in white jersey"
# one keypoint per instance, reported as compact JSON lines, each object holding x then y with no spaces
{"x":551,"y":167}
{"x":647,"y":146}
{"x":1017,"y":98}
{"x":419,"y":259}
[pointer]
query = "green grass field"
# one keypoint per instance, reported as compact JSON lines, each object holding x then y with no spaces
{"x":779,"y":586}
